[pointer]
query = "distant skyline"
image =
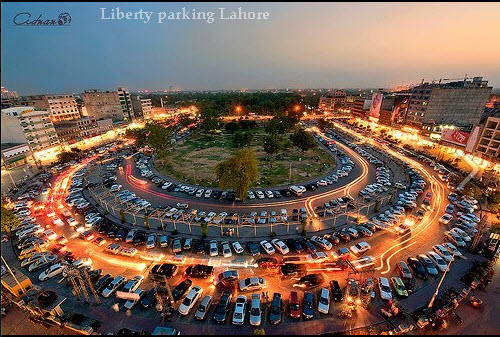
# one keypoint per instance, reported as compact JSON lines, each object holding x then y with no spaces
{"x":300,"y":45}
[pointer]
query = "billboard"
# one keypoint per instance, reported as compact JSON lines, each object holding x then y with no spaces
{"x":400,"y":108}
{"x":376,"y":104}
{"x":454,"y":136}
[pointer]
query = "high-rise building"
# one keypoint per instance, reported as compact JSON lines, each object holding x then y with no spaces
{"x":103,"y":105}
{"x":358,"y":109}
{"x":9,"y":98}
{"x":459,"y":103}
{"x":62,"y":107}
{"x":126,"y":103}
{"x":28,"y":125}
{"x":142,"y":106}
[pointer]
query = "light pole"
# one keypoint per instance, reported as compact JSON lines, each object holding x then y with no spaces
{"x":433,"y":298}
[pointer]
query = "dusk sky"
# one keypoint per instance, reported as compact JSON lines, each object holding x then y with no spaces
{"x":301,"y":45}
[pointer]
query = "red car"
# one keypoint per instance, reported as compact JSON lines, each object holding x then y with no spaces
{"x":294,"y":305}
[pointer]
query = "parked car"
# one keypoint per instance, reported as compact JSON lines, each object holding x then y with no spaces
{"x":190,"y":300}
{"x":403,"y":270}
{"x":337,"y":294}
{"x":324,"y":301}
{"x":308,"y":305}
{"x":199,"y":271}
{"x":385,"y":288}
{"x":310,"y":281}
{"x":240,"y":306}
{"x":294,"y":305}
{"x":222,"y":308}
{"x":399,"y":287}
{"x":418,"y":268}
{"x":255,"y":315}
{"x":113,"y":286}
{"x":201,"y":312}
{"x":275,"y":309}
{"x":252,"y":284}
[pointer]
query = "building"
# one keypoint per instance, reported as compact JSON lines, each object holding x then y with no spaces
{"x":28,"y":125}
{"x":75,"y":130}
{"x":62,"y":107}
{"x":16,"y":282}
{"x":358,"y":109}
{"x":126,"y":103}
{"x":103,"y":105}
{"x":333,"y":102}
{"x":9,"y":98}
{"x":14,"y":155}
{"x":385,"y":117}
{"x":142,"y":106}
{"x":488,"y":144}
{"x":459,"y":103}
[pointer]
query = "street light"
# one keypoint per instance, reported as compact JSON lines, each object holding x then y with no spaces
{"x":238,"y":109}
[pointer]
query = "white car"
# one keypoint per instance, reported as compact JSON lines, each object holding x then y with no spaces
{"x":463,"y":234}
{"x":251,"y":195}
{"x":151,"y":241}
{"x":280,"y":246}
{"x":438,"y":260}
{"x":322,"y":242}
{"x":238,"y":249}
{"x":324,"y":301}
{"x":363,"y":262}
{"x":113,"y":286}
{"x":259,"y":194}
{"x":226,"y":249}
{"x":130,"y":304}
{"x":454,"y":238}
{"x":255,"y":311}
{"x":452,"y":249}
{"x":190,"y":300}
{"x":214,"y":250}
{"x":317,"y":257}
{"x":208,"y":193}
{"x":72,"y":222}
{"x":360,"y":248}
{"x":83,"y":262}
{"x":52,"y":271}
{"x":443,"y":252}
{"x":267,"y":247}
{"x":269,"y":194}
{"x":252,"y":284}
{"x":200,"y":192}
{"x":239,"y":310}
{"x":385,"y":288}
{"x":133,"y":284}
{"x":445,"y":219}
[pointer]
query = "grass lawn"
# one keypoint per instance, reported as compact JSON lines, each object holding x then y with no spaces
{"x":196,"y":158}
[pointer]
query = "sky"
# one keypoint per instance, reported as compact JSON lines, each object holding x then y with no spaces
{"x":300,"y":45}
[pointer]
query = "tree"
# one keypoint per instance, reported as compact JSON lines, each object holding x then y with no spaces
{"x":272,"y":144}
{"x":231,"y":127}
{"x":9,"y":220}
{"x":302,"y":139}
{"x":242,"y":139}
{"x":239,"y":172}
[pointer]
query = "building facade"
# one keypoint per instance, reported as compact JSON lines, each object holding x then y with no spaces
{"x":62,"y":107}
{"x":14,"y":155}
{"x":458,"y":104}
{"x":333,"y":102}
{"x":126,"y":103}
{"x":9,"y":98}
{"x":488,"y":144}
{"x":28,"y":125}
{"x":75,"y":130}
{"x":103,"y":105}
{"x":142,"y":106}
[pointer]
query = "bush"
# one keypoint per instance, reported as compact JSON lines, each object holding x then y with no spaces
{"x":175,"y":232}
{"x":273,"y":235}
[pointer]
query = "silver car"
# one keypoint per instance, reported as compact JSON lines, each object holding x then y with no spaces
{"x":255,"y":311}
{"x":201,"y":312}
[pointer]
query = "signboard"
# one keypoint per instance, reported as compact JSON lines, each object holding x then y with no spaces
{"x":454,"y":136}
{"x":376,"y":104}
{"x":127,"y":296}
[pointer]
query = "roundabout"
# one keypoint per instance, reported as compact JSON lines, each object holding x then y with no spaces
{"x":314,"y":222}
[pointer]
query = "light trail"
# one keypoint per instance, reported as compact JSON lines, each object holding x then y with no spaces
{"x":438,"y":195}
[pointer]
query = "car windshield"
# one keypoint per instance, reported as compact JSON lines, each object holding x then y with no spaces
{"x":255,"y":312}
{"x":323,"y":300}
{"x":187,"y":301}
{"x":238,"y":315}
{"x":386,"y":288}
